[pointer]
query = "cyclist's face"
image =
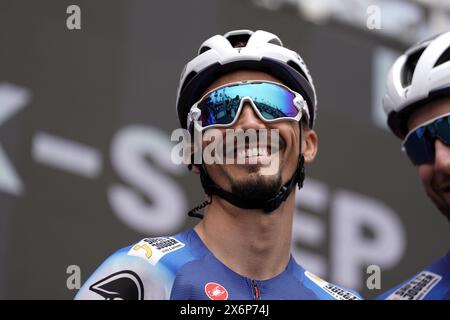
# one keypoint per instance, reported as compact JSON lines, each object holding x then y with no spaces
{"x":254,"y":176}
{"x":435,"y":176}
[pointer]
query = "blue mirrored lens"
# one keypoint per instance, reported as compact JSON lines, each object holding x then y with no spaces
{"x":418,"y":148}
{"x":420,"y":144}
{"x":441,"y":129}
{"x":222,"y":105}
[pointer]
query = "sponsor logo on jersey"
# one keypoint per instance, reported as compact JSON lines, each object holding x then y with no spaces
{"x":123,"y":285}
{"x":153,"y":249}
{"x":417,"y":288}
{"x":332,"y":289}
{"x":215,"y":291}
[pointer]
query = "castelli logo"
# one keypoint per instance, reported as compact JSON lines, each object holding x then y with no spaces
{"x":215,"y":291}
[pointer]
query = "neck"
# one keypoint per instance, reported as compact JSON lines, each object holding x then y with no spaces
{"x":250,"y":242}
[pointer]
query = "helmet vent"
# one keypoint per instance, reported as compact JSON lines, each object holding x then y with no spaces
{"x":238,"y":40}
{"x":203,"y":49}
{"x":409,"y":67}
{"x":443,"y":58}
{"x":276,"y":42}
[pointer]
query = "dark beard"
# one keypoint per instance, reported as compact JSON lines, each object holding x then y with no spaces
{"x":258,"y":189}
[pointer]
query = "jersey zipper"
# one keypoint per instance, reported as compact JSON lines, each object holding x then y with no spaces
{"x":255,"y":290}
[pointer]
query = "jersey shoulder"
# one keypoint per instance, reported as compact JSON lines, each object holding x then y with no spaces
{"x":144,"y":270}
{"x":432,"y":283}
{"x":325,"y":290}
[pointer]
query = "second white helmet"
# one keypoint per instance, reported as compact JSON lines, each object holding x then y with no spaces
{"x":419,"y":76}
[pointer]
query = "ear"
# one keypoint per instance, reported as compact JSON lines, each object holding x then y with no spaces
{"x":309,"y":145}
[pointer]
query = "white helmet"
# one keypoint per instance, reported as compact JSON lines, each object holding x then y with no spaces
{"x":243,"y":49}
{"x":419,"y":76}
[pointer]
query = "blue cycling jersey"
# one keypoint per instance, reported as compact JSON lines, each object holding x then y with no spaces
{"x":433,"y":283}
{"x":182,"y":267}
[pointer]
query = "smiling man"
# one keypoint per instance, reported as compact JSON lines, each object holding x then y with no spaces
{"x":240,"y":81}
{"x":417,"y":103}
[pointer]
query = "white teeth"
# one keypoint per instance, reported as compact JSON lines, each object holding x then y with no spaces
{"x":252,"y":152}
{"x":262,"y":151}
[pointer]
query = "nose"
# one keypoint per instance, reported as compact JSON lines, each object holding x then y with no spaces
{"x":249,"y":119}
{"x":442,"y":157}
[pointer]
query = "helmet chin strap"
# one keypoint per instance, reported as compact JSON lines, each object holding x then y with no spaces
{"x":268,"y":206}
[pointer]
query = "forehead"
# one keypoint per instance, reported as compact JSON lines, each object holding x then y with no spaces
{"x":428,"y":111}
{"x":241,"y":75}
